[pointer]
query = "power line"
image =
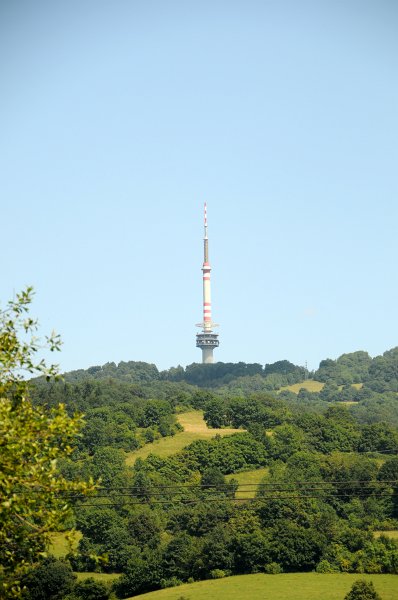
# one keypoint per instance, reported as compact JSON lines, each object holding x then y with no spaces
{"x":227,"y":486}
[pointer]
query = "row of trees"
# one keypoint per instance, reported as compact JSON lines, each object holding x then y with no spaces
{"x":355,"y":367}
{"x":335,"y":429}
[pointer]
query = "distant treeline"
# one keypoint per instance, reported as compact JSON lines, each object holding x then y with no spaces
{"x":379,"y":373}
{"x":212,"y":375}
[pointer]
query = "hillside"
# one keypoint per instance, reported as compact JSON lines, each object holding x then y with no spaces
{"x":298,"y":586}
{"x":371,"y":383}
{"x":351,"y":368}
{"x":194,"y":428}
{"x":234,"y":479}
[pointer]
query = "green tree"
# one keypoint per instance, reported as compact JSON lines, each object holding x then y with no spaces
{"x":215,"y":413}
{"x":362,"y":590}
{"x":144,"y":527}
{"x":90,"y":589}
{"x":50,"y":580}
{"x":96,"y":521}
{"x":32,"y":439}
{"x":143,"y":573}
{"x":179,"y":557}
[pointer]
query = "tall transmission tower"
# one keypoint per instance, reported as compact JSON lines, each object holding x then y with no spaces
{"x":206,"y":340}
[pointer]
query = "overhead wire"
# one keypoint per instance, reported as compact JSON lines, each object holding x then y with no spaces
{"x":196,"y":501}
{"x":227,"y":486}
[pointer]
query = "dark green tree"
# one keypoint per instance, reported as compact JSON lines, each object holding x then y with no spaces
{"x":50,"y":580}
{"x":90,"y":589}
{"x":215,"y":413}
{"x":362,"y":590}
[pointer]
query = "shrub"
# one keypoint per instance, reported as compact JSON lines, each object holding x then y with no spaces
{"x":324,"y":566}
{"x":217,"y":574}
{"x":171,"y":582}
{"x":273,"y":568}
{"x":89,"y":589}
{"x":362,"y":590}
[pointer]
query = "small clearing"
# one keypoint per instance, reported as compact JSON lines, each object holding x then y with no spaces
{"x":195,"y":428}
{"x":102,"y":577}
{"x":392,"y":533}
{"x":248,"y":482}
{"x":309,"y":384}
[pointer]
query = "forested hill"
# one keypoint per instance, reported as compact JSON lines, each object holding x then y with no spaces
{"x":379,"y":373}
{"x":214,"y":375}
{"x":368,"y":385}
{"x":227,"y":469}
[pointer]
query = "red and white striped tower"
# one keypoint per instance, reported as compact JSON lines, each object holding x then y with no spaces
{"x":207,"y":340}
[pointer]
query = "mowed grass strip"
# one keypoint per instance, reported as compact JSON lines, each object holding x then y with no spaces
{"x":102,"y":577}
{"x":195,"y":428}
{"x":392,"y":533}
{"x":309,"y":384}
{"x":248,"y":482}
{"x":289,"y":586}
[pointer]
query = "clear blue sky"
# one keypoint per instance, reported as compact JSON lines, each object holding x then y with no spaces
{"x":119,"y":119}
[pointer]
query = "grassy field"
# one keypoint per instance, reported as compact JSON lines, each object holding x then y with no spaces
{"x":391,"y":534}
{"x":59,"y":546}
{"x":315,"y":386}
{"x":246,"y":479}
{"x":309,"y":384}
{"x":103,"y":577}
{"x":195,"y":428}
{"x":347,"y":402}
{"x":290,"y":586}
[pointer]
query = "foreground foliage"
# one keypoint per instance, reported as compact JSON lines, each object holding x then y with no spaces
{"x":31,"y":442}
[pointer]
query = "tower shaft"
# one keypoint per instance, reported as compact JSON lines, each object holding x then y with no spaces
{"x":207,"y":340}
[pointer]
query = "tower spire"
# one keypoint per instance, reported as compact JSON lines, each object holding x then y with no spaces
{"x":207,"y":340}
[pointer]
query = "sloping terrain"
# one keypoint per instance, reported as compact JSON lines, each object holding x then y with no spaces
{"x":195,"y":428}
{"x":309,"y":384}
{"x":289,"y":586}
{"x":248,"y":482}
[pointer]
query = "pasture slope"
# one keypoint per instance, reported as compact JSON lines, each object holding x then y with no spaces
{"x":309,"y":384}
{"x":248,"y":482}
{"x":289,"y":586}
{"x":195,"y":428}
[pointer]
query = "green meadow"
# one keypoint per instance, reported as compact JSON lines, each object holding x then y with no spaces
{"x":309,"y":384}
{"x":195,"y":428}
{"x":289,"y":586}
{"x":102,"y":577}
{"x":248,"y":481}
{"x":392,"y":533}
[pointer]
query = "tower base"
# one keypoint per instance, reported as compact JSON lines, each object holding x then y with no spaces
{"x":207,"y":342}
